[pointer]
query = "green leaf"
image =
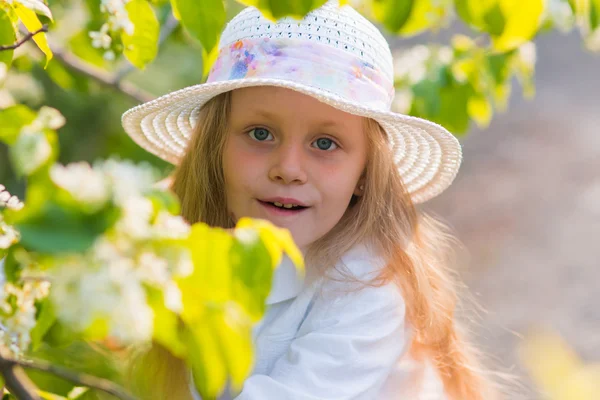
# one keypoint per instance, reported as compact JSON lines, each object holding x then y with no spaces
{"x":523,"y":20}
{"x":81,"y":45}
{"x":425,"y":14}
{"x":209,"y":370}
{"x":45,"y":319}
{"x":7,"y":38}
{"x":276,"y":9}
{"x":252,"y":272}
{"x":393,"y":14}
{"x":38,"y":6}
{"x":55,"y":229}
{"x":204,"y":21}
{"x":480,"y":110}
{"x":235,"y":343}
{"x":32,"y":23}
{"x":141,"y":47}
{"x":166,"y":324}
{"x":13,"y":120}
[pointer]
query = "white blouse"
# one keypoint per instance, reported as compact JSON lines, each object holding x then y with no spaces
{"x":328,"y":340}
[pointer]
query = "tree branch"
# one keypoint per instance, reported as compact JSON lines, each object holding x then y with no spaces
{"x":27,"y":37}
{"x":16,"y":381}
{"x":104,"y":78}
{"x":80,"y":379}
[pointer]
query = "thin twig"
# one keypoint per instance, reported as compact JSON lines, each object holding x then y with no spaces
{"x":27,"y":37}
{"x":104,"y":78}
{"x":99,"y":75}
{"x":80,"y":379}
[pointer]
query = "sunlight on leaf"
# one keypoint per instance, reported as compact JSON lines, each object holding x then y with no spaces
{"x":32,"y":23}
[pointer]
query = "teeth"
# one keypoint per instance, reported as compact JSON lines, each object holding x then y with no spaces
{"x":277,"y":204}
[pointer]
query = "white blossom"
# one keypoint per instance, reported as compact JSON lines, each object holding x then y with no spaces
{"x":3,"y":72}
{"x":171,"y":226}
{"x":30,"y":151}
{"x":18,"y":304}
{"x":135,"y":219}
{"x":173,"y":297}
{"x":9,"y":201}
{"x":127,"y":179}
{"x":101,"y":39}
{"x":85,"y":184}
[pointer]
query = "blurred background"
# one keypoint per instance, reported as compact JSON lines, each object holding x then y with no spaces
{"x":526,"y":203}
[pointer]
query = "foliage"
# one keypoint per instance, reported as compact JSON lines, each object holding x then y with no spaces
{"x":124,"y":268}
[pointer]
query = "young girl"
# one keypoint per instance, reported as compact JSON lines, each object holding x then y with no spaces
{"x":294,"y":126}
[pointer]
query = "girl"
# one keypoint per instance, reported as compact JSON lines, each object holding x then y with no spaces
{"x":294,"y":126}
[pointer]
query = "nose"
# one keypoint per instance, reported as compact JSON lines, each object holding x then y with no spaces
{"x":288,"y":166}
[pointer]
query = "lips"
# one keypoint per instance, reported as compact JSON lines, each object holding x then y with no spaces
{"x":283,"y":206}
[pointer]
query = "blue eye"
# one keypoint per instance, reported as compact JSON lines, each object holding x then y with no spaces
{"x":325,"y":144}
{"x":260,"y":134}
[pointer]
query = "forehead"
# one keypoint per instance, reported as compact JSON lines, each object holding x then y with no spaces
{"x":283,"y":103}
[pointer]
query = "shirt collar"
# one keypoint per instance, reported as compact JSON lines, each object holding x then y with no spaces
{"x":287,"y":282}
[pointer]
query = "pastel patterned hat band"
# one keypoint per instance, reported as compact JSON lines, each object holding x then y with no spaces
{"x":310,"y":63}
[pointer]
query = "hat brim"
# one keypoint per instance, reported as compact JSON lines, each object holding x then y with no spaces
{"x":427,"y":155}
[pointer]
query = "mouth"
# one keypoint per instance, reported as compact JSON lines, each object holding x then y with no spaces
{"x":283,"y":206}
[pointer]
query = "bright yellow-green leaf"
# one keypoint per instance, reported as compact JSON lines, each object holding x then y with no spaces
{"x":425,"y":14}
{"x":208,"y":60}
{"x":7,"y":38}
{"x":523,"y":20}
{"x":211,"y":280}
{"x":475,"y":12}
{"x":176,"y":12}
{"x":81,"y":45}
{"x":276,"y":239}
{"x":252,"y":272}
{"x":480,"y":110}
{"x":558,"y":370}
{"x":60,"y":75}
{"x":32,"y":23}
{"x":236,"y":344}
{"x":141,"y":47}
{"x":13,"y":120}
{"x":276,"y":9}
{"x":38,"y":6}
{"x":209,"y":369}
{"x":393,"y":14}
{"x":203,"y":20}
{"x":166,"y":324}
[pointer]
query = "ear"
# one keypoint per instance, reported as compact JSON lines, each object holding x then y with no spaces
{"x":360,"y":187}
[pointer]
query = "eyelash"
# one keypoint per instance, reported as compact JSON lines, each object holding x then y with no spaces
{"x":337,"y":146}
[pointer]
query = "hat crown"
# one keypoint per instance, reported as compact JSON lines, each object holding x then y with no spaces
{"x":339,"y":26}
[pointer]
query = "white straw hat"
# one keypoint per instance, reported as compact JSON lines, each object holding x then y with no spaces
{"x":335,"y":55}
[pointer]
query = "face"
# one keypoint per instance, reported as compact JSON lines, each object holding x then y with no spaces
{"x":286,"y":149}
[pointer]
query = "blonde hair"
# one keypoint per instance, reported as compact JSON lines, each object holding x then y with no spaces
{"x":415,"y":245}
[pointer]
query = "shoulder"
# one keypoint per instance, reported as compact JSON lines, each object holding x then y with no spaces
{"x":346,"y":296}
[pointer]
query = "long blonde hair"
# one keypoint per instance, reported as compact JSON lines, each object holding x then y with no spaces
{"x":415,"y":245}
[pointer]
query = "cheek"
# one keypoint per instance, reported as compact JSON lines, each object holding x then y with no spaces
{"x":240,"y":168}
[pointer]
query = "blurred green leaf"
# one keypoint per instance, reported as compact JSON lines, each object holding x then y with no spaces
{"x":81,"y":45}
{"x":252,"y":272}
{"x":45,"y":319}
{"x":56,"y":229}
{"x":7,"y":37}
{"x":209,"y":370}
{"x":426,"y":14}
{"x":141,"y":47}
{"x":13,"y":120}
{"x":32,"y":151}
{"x":523,"y":20}
{"x":393,"y":14}
{"x":276,"y":9}
{"x":480,"y":110}
{"x":166,"y":324}
{"x":204,"y":22}
{"x":32,"y":23}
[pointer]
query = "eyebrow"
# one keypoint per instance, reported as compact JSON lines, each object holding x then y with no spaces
{"x":270,"y":115}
